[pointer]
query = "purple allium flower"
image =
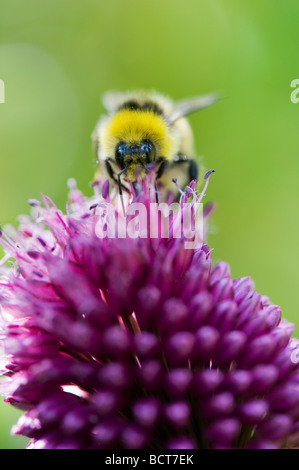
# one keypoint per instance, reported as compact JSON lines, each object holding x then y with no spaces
{"x":138,"y":342}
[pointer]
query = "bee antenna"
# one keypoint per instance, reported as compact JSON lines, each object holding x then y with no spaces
{"x":120,"y":190}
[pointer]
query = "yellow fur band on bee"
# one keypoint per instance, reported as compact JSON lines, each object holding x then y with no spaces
{"x":133,"y":126}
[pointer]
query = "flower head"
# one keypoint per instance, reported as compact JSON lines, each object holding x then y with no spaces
{"x":137,"y":341}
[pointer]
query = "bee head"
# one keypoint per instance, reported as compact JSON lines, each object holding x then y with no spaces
{"x":133,"y":155}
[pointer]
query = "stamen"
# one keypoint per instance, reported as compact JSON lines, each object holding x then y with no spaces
{"x":47,"y":201}
{"x":96,"y":187}
{"x":6,"y":241}
{"x":33,"y":202}
{"x":63,"y":222}
{"x":207,"y":176}
{"x":134,"y":323}
{"x":208,"y":173}
{"x":175,"y":181}
{"x":42,"y":242}
{"x":93,"y":206}
{"x":94,"y":183}
{"x":44,"y":200}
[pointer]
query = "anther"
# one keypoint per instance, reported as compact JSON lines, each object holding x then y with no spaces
{"x":208,"y":173}
{"x":33,"y":202}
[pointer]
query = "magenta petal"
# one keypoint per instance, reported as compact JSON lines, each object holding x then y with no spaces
{"x":222,"y":432}
{"x":181,"y":442}
{"x":220,"y":404}
{"x":179,"y":347}
{"x":147,"y":411}
{"x":178,"y":413}
{"x":207,"y":381}
{"x":276,"y":427}
{"x":178,"y":381}
{"x":206,"y":340}
{"x":252,"y":412}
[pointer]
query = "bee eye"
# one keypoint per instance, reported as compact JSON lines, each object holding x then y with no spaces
{"x":148,"y":149}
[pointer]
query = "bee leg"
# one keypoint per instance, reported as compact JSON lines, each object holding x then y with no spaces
{"x":120,"y":190}
{"x":113,"y":174}
{"x":109,"y":169}
{"x":161,"y":165}
{"x":193,"y":170}
{"x":156,"y":192}
{"x":162,"y":162}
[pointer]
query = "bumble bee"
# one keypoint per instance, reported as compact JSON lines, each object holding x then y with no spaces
{"x":145,"y":129}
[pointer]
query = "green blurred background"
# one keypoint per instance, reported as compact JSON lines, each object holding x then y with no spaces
{"x":57,"y":58}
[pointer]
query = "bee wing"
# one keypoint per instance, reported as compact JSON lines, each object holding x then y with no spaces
{"x":95,"y":136}
{"x":182,"y":108}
